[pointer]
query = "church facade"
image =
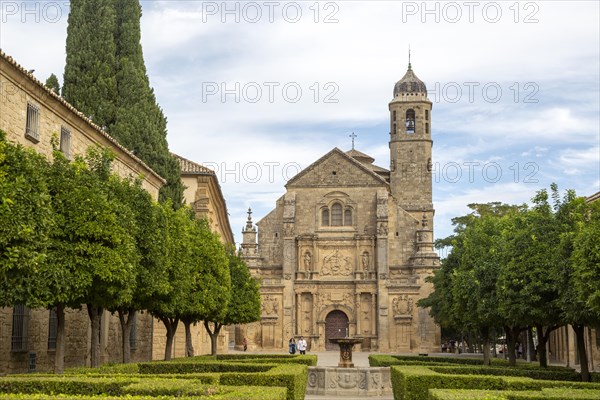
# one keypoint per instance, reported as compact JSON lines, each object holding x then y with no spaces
{"x":347,"y":248}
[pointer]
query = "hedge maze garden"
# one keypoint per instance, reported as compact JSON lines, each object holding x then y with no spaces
{"x":227,"y":377}
{"x":284,"y":377}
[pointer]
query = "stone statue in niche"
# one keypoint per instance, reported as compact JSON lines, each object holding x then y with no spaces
{"x":288,"y":230}
{"x":307,"y":261}
{"x":365,"y":261}
{"x":402,"y":305}
{"x":382,"y":229}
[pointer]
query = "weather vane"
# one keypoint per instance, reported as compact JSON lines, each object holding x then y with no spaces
{"x":353,"y":135}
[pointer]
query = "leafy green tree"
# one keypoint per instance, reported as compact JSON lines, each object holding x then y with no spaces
{"x":179,"y":264}
{"x":52,"y":84}
{"x":90,"y":83}
{"x":26,"y":220}
{"x":528,"y":289}
{"x":586,"y":255}
{"x":90,"y":253}
{"x":210,"y":294}
{"x":464,"y":294}
{"x":149,"y":234}
{"x":244,"y":302}
{"x":576,"y":268}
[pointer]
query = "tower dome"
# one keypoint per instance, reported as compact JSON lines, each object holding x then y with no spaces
{"x":410,"y":84}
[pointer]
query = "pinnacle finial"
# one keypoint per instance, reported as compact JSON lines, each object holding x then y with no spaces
{"x":409,"y":65}
{"x":249,"y":221}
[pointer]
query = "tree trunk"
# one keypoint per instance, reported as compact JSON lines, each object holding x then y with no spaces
{"x":485,"y":334}
{"x":213,"y":336}
{"x":511,"y":337}
{"x":543,"y":336}
{"x":530,"y":345}
{"x":126,"y":332}
{"x":583,"y":359}
{"x":189,"y":347}
{"x":95,"y":314}
{"x":59,"y":354}
{"x":171,"y":326}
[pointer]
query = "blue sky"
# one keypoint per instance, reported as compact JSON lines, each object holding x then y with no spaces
{"x":259,"y":90}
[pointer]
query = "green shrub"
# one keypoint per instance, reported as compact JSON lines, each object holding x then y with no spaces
{"x":537,"y":373}
{"x":170,"y":367}
{"x":186,"y":388}
{"x":451,"y":394}
{"x":544,"y":394}
{"x":389,"y":360}
{"x":227,"y":396}
{"x":291,"y":376}
{"x":413,"y":382}
{"x":65,"y":385}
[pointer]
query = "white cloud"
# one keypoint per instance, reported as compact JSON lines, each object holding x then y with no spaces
{"x":554,"y":60}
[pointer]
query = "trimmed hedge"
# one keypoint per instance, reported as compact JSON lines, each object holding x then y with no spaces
{"x":538,"y":373}
{"x":413,"y":382}
{"x":381,"y":360}
{"x":225,"y":396}
{"x":309,"y":360}
{"x":176,"y":367}
{"x":293,"y":377}
{"x":186,"y":388}
{"x":545,"y":393}
{"x":74,"y":385}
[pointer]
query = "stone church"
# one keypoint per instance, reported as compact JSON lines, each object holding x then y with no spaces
{"x":347,"y":248}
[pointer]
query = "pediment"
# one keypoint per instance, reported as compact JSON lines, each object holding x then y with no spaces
{"x":336,"y":169}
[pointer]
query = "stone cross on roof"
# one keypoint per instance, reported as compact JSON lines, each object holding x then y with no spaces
{"x":353,"y":135}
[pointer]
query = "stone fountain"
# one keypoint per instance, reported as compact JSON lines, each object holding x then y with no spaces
{"x":346,"y":344}
{"x":345,"y":380}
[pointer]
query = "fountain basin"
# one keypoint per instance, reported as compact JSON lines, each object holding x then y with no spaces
{"x":346,"y":345}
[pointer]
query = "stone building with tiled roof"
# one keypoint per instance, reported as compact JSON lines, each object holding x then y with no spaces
{"x":31,"y":114}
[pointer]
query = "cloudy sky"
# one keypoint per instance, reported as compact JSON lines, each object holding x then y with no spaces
{"x":259,"y":90}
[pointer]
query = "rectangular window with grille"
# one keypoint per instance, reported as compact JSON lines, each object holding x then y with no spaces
{"x":32,"y":128}
{"x":52,"y":329}
{"x":133,"y":333}
{"x":65,"y":142}
{"x":20,"y":328}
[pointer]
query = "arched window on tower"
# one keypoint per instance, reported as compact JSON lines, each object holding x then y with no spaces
{"x":393,"y":127}
{"x":427,"y":127}
{"x":348,"y":217}
{"x":426,"y":115}
{"x":325,"y":217}
{"x":410,"y":121}
{"x":336,"y":215}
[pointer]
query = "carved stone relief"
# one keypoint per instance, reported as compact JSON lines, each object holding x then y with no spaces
{"x":270,"y":306}
{"x":336,"y":263}
{"x":402,"y":305}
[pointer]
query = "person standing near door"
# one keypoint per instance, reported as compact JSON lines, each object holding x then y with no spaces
{"x":302,"y":345}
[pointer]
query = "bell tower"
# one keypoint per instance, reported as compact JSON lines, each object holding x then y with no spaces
{"x":410,"y":144}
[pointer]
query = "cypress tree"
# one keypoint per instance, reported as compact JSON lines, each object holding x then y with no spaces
{"x":140,"y":124}
{"x":106,"y":77}
{"x":89,"y":80}
{"x":52,"y":84}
